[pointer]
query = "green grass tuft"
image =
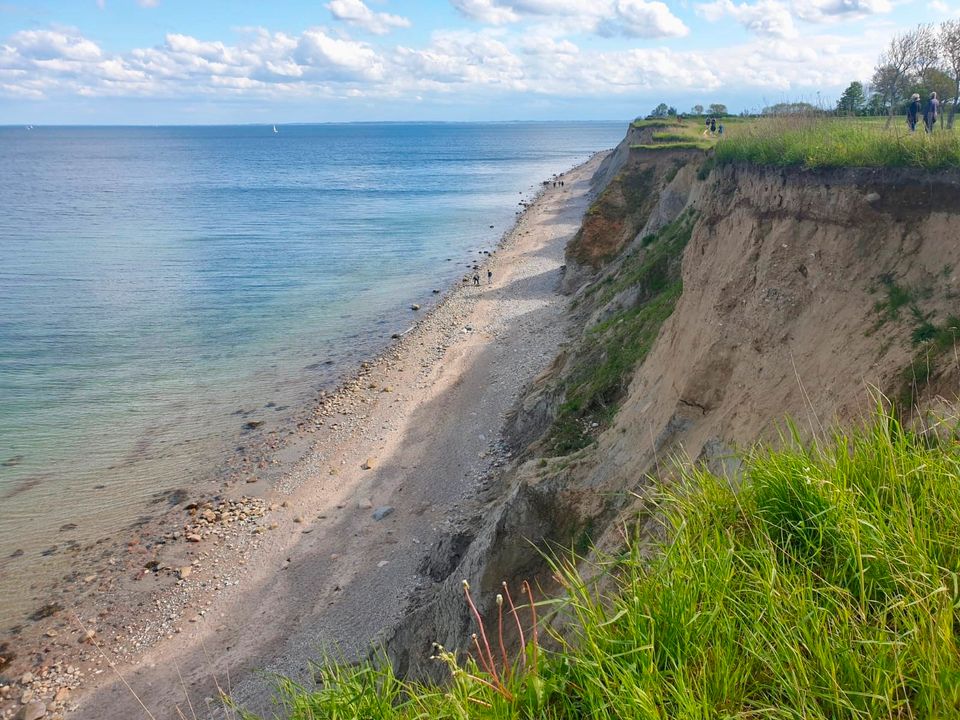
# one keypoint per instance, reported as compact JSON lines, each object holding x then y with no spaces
{"x":825,"y":587}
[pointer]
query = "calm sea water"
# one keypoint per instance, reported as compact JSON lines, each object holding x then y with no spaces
{"x":156,"y":281}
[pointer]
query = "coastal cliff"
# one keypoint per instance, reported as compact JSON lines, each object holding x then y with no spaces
{"x":712,"y":303}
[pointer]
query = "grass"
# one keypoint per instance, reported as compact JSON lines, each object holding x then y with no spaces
{"x":825,"y":587}
{"x":614,"y":347}
{"x":691,"y":135}
{"x":931,"y":340}
{"x":837,"y":142}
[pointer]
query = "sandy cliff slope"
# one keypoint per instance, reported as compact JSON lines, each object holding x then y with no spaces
{"x":761,"y":294}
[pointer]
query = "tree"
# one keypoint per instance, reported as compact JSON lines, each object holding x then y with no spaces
{"x":926,"y":50}
{"x":950,"y":44}
{"x":660,"y":111}
{"x":853,"y":100}
{"x":792,"y":108}
{"x":891,"y":76}
{"x":875,"y":105}
{"x":697,"y":110}
{"x":672,"y":111}
{"x":718,"y":109}
{"x":938,"y":81}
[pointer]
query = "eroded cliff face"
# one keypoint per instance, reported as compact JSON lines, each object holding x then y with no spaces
{"x":769,"y":294}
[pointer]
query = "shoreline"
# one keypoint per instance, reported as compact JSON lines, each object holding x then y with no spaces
{"x":237,"y":541}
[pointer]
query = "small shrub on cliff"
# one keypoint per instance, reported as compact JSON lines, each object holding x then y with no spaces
{"x":613,"y":348}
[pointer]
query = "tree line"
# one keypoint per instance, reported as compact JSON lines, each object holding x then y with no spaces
{"x":663,"y":110}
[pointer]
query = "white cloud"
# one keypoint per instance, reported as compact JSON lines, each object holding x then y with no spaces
{"x":486,"y":11}
{"x":355,"y":12}
{"x":638,"y":18}
{"x":632,"y":18}
{"x":777,"y":18}
{"x":49,"y":44}
{"x":463,"y":57}
{"x":491,"y":62}
{"x":829,"y":10}
{"x":148,"y":3}
{"x":337,"y":59}
{"x":765,"y":17}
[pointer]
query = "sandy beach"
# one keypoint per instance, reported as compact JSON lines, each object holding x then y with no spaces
{"x":322,"y":561}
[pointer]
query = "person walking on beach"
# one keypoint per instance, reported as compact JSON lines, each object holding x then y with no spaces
{"x":931,"y":111}
{"x":476,"y":280}
{"x":489,"y":276}
{"x":913,"y":112}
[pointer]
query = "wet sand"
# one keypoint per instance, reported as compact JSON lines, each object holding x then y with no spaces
{"x":323,"y":557}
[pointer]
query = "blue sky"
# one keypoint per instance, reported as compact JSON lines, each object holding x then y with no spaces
{"x":196,"y":61}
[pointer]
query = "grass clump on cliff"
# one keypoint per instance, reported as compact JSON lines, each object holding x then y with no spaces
{"x":613,"y":347}
{"x":825,"y":587}
{"x":820,"y":142}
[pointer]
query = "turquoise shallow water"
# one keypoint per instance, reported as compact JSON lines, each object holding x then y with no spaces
{"x":154,"y":282}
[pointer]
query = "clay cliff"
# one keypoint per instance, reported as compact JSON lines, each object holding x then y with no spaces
{"x":713,"y":303}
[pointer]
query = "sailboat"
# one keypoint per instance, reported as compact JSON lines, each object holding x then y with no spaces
{"x":275,"y":131}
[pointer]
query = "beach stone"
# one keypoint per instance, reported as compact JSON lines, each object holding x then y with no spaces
{"x":26,"y":678}
{"x":193,"y":537}
{"x":381,"y":512}
{"x":872,"y":197}
{"x":185,"y":572}
{"x":414,"y":307}
{"x":365,"y":503}
{"x":369,"y":464}
{"x":31,"y":711}
{"x":63,"y":694}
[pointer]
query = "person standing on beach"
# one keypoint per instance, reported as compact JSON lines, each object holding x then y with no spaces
{"x":913,"y":112}
{"x":476,"y":280}
{"x":931,"y":112}
{"x":489,"y":276}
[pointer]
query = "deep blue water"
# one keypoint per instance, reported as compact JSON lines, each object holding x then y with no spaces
{"x":154,"y":281}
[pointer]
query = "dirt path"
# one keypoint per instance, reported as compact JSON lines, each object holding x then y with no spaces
{"x":426,"y":419}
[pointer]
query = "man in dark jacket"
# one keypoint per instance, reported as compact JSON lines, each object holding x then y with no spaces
{"x":931,"y":111}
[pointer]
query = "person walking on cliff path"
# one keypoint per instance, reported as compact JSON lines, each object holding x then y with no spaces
{"x":913,"y":112}
{"x":931,"y":111}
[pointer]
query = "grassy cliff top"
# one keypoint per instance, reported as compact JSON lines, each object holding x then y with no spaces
{"x":839,"y":142}
{"x":824,"y":585}
{"x":826,"y":142}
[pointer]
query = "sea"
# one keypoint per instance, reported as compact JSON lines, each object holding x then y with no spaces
{"x":163,"y":290}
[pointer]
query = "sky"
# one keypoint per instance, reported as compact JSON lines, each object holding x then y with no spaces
{"x":276,"y":61}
